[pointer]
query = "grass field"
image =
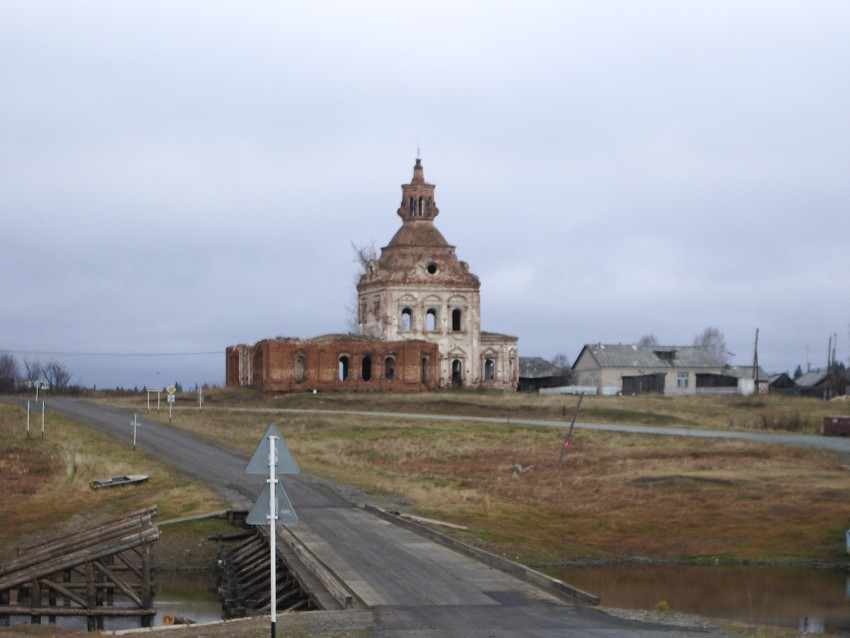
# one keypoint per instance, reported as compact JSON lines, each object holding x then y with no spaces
{"x":46,"y":480}
{"x":617,"y":497}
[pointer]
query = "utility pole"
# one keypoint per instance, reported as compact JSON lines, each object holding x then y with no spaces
{"x":834,"y":347}
{"x":829,"y":353}
{"x":756,"y":363}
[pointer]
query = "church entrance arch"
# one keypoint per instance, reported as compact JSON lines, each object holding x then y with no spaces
{"x":457,"y":373}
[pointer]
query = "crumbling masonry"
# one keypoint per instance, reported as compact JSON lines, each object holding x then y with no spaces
{"x":418,"y":318}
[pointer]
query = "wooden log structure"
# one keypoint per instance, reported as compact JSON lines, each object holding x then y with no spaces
{"x":245,"y":588}
{"x":82,"y":573}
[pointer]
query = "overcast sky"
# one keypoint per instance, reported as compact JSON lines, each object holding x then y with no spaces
{"x":180,"y":176}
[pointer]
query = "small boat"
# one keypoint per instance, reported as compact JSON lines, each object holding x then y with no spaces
{"x":119,"y":480}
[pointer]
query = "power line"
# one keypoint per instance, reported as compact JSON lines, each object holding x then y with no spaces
{"x":112,"y":354}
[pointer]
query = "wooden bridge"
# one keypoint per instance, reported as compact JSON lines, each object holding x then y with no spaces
{"x":82,"y":574}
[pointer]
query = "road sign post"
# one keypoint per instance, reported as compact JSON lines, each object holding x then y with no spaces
{"x":272,"y":516}
{"x":171,"y":390}
{"x":273,"y":507}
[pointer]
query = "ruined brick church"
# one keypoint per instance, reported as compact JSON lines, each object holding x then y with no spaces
{"x":419,"y":324}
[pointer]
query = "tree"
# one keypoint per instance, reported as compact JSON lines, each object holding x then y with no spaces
{"x":798,"y":373}
{"x":561,"y":360}
{"x":648,"y":340}
{"x":8,"y":372}
{"x":32,"y":370}
{"x":713,"y":339}
{"x":363,"y":254}
{"x":56,"y":375}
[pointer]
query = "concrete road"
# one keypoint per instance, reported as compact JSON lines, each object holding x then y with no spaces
{"x":415,"y":588}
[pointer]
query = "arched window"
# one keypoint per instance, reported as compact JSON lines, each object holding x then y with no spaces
{"x":431,"y":320}
{"x":406,"y":319}
{"x":457,"y":373}
{"x":343,"y":368}
{"x":389,"y":368}
{"x":489,"y":369}
{"x":457,"y":320}
{"x":421,"y":206}
{"x":426,"y":369}
{"x":300,"y":373}
{"x":366,"y":368}
{"x":412,"y":207}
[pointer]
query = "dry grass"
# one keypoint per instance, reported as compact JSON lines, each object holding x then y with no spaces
{"x":618,"y":496}
{"x":46,"y":480}
{"x":771,"y":412}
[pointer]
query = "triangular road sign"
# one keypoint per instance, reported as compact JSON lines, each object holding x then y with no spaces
{"x":259,"y":463}
{"x":259,"y":514}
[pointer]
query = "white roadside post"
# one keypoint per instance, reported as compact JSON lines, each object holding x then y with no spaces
{"x":135,"y":424}
{"x":28,"y":418}
{"x":43,"y":410}
{"x":277,"y":509}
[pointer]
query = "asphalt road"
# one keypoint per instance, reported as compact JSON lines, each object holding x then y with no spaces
{"x":415,"y":588}
{"x":832,"y":443}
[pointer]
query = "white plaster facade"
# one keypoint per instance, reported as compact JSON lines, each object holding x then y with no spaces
{"x":419,"y":289}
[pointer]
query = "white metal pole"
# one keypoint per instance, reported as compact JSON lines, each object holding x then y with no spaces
{"x":273,"y":529}
{"x":28,"y":419}
{"x":135,"y":425}
{"x":42,"y":418}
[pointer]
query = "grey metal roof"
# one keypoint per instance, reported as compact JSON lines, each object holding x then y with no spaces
{"x":811,"y":379}
{"x":633,"y":356}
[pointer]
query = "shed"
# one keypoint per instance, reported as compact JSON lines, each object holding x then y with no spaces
{"x":536,"y":373}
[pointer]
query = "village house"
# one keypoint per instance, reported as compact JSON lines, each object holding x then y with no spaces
{"x":668,"y":370}
{"x":823,"y":384}
{"x":419,"y":324}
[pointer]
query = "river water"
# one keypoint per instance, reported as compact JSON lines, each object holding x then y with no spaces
{"x":193,"y":596}
{"x":813,"y":600}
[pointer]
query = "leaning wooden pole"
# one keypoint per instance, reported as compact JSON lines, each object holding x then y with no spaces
{"x":566,"y":445}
